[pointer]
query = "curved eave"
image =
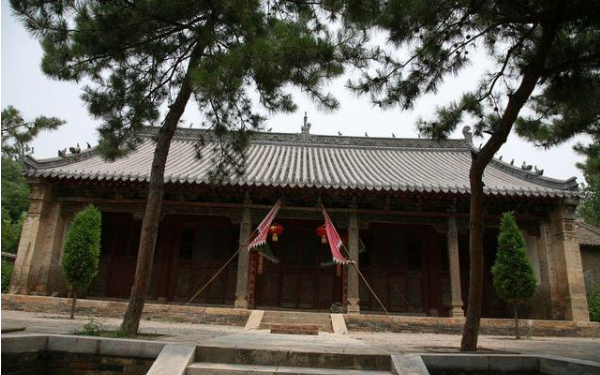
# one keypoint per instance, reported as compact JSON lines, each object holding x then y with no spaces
{"x":418,"y":188}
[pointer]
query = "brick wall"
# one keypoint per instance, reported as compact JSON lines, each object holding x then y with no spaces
{"x":115,"y":309}
{"x":590,"y":257}
{"x":382,"y":323}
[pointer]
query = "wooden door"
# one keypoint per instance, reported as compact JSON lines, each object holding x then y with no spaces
{"x":396,"y":266}
{"x":299,"y":280}
{"x":201,"y":247}
{"x":118,"y":255}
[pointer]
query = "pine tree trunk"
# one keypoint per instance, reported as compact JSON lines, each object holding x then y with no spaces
{"x":471,"y":328}
{"x":480,"y":161}
{"x":516,"y":310}
{"x":133,"y":314}
{"x":73,"y":301}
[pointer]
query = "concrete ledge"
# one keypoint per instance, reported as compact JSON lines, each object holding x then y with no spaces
{"x":23,"y":343}
{"x":173,"y":360}
{"x":562,"y":366}
{"x":339,"y":324}
{"x":115,"y":309}
{"x":408,"y":365}
{"x":260,"y":357}
{"x":401,"y":323}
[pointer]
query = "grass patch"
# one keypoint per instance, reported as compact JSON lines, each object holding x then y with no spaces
{"x":95,"y":327}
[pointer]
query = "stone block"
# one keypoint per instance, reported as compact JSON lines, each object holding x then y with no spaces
{"x":338,"y":324}
{"x":23,"y":343}
{"x":408,"y":365}
{"x":173,"y":360}
{"x":130,"y":348}
{"x":254,"y":320}
{"x":563,"y":366}
{"x":72,"y":344}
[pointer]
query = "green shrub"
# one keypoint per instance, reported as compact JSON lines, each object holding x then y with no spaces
{"x":514,"y":279}
{"x":93,"y":327}
{"x":594,"y":305}
{"x":7,"y":269}
{"x":82,"y":250}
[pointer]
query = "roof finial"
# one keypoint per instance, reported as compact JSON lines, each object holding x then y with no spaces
{"x":306,"y":127}
{"x":468,"y":135}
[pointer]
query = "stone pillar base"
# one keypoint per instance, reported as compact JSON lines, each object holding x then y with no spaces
{"x":241,"y":304}
{"x":457,"y":312}
{"x":352,"y":307}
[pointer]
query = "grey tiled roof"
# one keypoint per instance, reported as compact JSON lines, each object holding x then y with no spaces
{"x":327,"y":162}
{"x":587,"y":234}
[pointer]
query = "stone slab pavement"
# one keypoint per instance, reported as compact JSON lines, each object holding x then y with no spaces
{"x":353,"y":342}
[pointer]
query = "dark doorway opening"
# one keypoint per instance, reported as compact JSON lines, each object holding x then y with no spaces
{"x":299,"y":281}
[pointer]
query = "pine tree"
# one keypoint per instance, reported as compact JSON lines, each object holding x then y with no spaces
{"x":547,"y":61}
{"x":15,"y":191}
{"x":514,"y":279}
{"x":589,"y":208}
{"x":82,"y":251}
{"x":17,"y":133}
{"x":143,"y":56}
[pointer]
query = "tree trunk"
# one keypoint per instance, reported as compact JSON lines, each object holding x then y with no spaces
{"x":516,"y":310}
{"x":73,"y":301}
{"x":480,"y":161}
{"x":131,"y":319}
{"x":471,"y":329}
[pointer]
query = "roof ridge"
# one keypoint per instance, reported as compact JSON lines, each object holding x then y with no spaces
{"x":588,"y":226}
{"x":325,"y":139}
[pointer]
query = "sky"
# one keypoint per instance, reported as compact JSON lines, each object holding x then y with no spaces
{"x":24,"y":86}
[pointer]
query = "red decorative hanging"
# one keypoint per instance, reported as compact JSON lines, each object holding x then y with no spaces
{"x":322,"y":232}
{"x":276,"y":230}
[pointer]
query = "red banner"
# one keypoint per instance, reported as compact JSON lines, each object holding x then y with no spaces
{"x":263,"y":227}
{"x":335,"y":242}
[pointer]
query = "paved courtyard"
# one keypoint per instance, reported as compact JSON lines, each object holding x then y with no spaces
{"x":354,"y":342}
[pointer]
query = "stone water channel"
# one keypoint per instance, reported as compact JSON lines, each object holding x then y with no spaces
{"x":38,"y":354}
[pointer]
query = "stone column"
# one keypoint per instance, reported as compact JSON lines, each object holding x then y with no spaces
{"x":56,"y":282}
{"x":541,"y":304}
{"x":241,"y":288}
{"x":454,"y":263}
{"x":353,"y":247}
{"x":38,"y":255}
{"x":568,"y":296}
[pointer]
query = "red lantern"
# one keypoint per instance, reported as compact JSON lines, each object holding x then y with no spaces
{"x":276,"y":230}
{"x":322,"y":232}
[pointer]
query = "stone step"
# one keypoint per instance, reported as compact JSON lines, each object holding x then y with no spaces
{"x":203,"y":368}
{"x":270,"y":318}
{"x":260,"y":357}
{"x":296,"y":329}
